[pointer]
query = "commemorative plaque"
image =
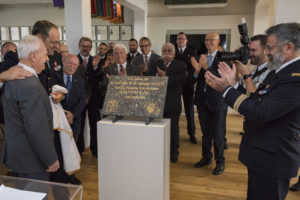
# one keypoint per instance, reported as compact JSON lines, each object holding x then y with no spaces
{"x":139,"y":96}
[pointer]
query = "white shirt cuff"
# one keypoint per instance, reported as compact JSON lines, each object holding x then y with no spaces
{"x":226,"y":91}
{"x":1,"y":84}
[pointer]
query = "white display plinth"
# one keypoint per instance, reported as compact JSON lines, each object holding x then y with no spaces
{"x":133,"y":159}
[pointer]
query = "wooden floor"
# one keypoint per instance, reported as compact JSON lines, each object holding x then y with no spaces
{"x":186,"y":182}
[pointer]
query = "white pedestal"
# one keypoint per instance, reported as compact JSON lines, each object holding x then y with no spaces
{"x":134,"y":159}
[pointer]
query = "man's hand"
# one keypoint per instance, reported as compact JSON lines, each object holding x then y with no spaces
{"x":16,"y":72}
{"x":230,"y":74}
{"x":143,"y":68}
{"x":123,"y":72}
{"x":228,"y":77}
{"x":219,"y":84}
{"x":160,"y":72}
{"x":195,"y":65}
{"x":57,"y":97}
{"x":54,"y":167}
{"x":96,"y":60}
{"x":203,"y":62}
{"x":243,"y":69}
{"x":70,"y":117}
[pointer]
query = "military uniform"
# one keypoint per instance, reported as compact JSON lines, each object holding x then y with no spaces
{"x":270,"y":147}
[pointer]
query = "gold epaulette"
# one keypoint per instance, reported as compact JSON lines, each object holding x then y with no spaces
{"x":239,"y":101}
{"x":295,"y":74}
{"x":248,"y":93}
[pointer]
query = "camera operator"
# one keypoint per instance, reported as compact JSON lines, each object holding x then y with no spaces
{"x":259,"y":57}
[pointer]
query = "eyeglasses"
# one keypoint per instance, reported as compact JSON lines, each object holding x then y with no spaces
{"x":181,"y":39}
{"x":144,"y":46}
{"x":82,"y":46}
{"x":210,"y":40}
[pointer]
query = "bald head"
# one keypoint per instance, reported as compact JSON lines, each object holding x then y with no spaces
{"x":71,"y":63}
{"x":212,"y":41}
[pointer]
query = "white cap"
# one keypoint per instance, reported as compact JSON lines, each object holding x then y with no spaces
{"x":59,"y":88}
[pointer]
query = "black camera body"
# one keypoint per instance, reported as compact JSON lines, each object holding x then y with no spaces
{"x":243,"y":53}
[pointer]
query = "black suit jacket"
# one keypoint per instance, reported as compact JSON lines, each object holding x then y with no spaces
{"x":92,"y":79}
{"x":176,"y":73}
{"x":76,"y":102}
{"x":139,"y":60}
{"x":129,"y":58}
{"x":51,"y":75}
{"x":271,"y":144}
{"x":210,"y":97}
{"x":186,"y":58}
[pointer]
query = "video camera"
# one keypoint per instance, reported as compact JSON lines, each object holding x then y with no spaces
{"x":243,"y":53}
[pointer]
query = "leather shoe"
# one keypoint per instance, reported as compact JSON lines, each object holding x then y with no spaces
{"x":295,"y":187}
{"x":219,"y":169}
{"x":74,"y":180}
{"x":202,"y":163}
{"x":174,"y":157}
{"x":193,"y":139}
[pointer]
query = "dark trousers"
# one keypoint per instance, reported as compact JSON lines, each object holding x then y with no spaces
{"x":261,"y":187}
{"x":211,"y":125}
{"x":174,"y":116}
{"x":60,"y":175}
{"x":94,"y":117}
{"x":188,"y":97}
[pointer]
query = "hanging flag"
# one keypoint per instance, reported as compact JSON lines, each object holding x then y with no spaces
{"x":58,"y":3}
{"x":120,"y":14}
{"x":93,"y":8}
{"x":108,"y":9}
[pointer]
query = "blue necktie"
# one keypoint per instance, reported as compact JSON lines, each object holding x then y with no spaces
{"x":68,"y":86}
{"x":209,"y":60}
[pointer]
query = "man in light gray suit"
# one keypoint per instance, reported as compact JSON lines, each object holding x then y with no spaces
{"x":147,"y":60}
{"x":28,"y":144}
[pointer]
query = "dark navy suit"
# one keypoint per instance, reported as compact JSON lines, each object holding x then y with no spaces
{"x":93,"y":105}
{"x":270,"y":147}
{"x":212,"y":115}
{"x":75,"y":103}
{"x":188,"y":87}
{"x":176,"y":73}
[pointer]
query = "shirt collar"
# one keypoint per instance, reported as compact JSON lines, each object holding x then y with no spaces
{"x":87,"y":58}
{"x":183,"y":48}
{"x":213,"y":54}
{"x":260,"y":67}
{"x":286,"y":64}
{"x":124,"y":65}
{"x":66,"y":77}
{"x":30,"y":69}
{"x":149,"y":54}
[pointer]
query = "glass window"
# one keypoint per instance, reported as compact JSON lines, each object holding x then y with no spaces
{"x":15,"y":33}
{"x":24,"y":31}
{"x":5,"y":33}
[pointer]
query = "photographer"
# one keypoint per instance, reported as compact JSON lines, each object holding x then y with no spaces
{"x":259,"y":57}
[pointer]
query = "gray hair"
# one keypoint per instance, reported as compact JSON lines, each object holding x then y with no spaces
{"x":286,"y":32}
{"x":168,"y":44}
{"x":120,"y":46}
{"x":27,"y":45}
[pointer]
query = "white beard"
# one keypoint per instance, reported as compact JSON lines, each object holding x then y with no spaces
{"x":276,"y":61}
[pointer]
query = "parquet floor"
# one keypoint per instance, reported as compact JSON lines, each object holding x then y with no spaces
{"x":186,"y":182}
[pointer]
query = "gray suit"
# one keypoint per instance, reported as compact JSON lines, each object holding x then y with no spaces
{"x":28,"y":144}
{"x":151,"y":68}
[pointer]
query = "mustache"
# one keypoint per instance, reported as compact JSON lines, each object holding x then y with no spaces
{"x":166,"y":56}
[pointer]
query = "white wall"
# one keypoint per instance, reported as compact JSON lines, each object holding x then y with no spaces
{"x":287,"y":11}
{"x":158,"y":26}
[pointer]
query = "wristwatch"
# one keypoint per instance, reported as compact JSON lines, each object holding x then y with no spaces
{"x":247,"y":76}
